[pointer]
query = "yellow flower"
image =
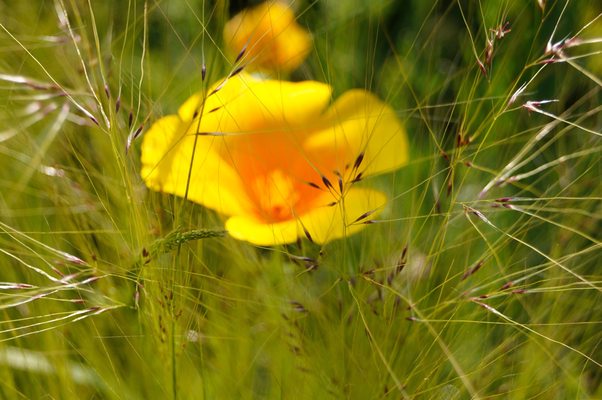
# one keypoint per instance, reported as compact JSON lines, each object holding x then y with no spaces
{"x":273,"y":38}
{"x":268,"y":155}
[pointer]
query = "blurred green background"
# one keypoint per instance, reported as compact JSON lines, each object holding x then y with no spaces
{"x":227,"y":320}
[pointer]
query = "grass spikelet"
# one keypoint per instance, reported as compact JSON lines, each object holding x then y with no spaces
{"x":175,"y":238}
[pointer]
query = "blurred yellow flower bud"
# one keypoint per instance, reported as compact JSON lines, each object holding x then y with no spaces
{"x":269,"y":37}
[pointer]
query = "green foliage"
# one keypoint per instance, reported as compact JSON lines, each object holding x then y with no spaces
{"x":479,"y":280}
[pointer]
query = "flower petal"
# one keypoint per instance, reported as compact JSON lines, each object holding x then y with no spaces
{"x":360,"y":122}
{"x":247,"y":104}
{"x":230,"y":91}
{"x":257,"y":232}
{"x":326,"y":223}
{"x":323,"y":223}
{"x":166,"y":162}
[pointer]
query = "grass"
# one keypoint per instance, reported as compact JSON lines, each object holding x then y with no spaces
{"x":479,"y":280}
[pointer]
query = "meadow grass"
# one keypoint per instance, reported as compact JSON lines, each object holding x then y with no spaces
{"x":480,"y":279}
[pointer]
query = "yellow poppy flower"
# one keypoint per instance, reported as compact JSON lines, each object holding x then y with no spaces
{"x":269,"y":155}
{"x":273,"y":39}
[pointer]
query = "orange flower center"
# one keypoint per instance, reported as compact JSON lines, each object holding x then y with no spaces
{"x":277,"y":195}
